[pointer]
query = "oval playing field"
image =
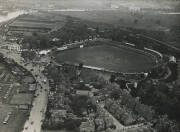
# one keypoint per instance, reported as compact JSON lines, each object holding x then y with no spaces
{"x":120,"y":59}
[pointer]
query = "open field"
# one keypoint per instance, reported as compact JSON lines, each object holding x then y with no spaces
{"x":7,"y":88}
{"x":37,"y":22}
{"x":16,"y":120}
{"x":108,"y":57}
{"x":30,"y":24}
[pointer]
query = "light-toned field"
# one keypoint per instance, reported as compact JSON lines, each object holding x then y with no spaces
{"x":38,"y":20}
{"x":6,"y":79}
{"x":16,"y":120}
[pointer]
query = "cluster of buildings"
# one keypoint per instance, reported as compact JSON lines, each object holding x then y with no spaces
{"x":13,"y":47}
{"x":60,"y":106}
{"x":23,"y":99}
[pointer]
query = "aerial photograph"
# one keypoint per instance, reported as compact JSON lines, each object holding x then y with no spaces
{"x":89,"y":65}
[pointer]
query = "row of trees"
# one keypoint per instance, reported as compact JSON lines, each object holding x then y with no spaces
{"x":36,"y":41}
{"x":147,"y":38}
{"x":28,"y":55}
{"x":74,"y":30}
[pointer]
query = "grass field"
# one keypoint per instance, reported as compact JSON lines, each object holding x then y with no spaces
{"x":108,"y":57}
{"x":16,"y":120}
{"x":38,"y":20}
{"x":6,"y":79}
{"x":8,"y":89}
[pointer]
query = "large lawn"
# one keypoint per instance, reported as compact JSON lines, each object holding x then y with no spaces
{"x":108,"y":57}
{"x":16,"y":120}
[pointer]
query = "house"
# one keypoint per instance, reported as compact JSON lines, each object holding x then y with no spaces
{"x":84,"y":93}
{"x":55,"y":39}
{"x":44,"y":52}
{"x":32,"y":88}
{"x":58,"y":113}
{"x":29,"y":80}
{"x":58,"y":116}
{"x":172,"y":59}
{"x":17,"y":71}
{"x":71,"y":116}
{"x":87,"y":126}
{"x":62,"y":48}
{"x":91,"y":29}
{"x":81,"y":46}
{"x":14,"y":47}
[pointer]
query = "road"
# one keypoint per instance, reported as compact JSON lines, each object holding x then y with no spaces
{"x":33,"y":124}
{"x":37,"y":114}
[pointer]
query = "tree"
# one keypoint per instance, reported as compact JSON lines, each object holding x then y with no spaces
{"x":158,"y":22}
{"x":135,"y":21}
{"x":97,"y":30}
{"x":163,"y":124}
{"x":79,"y":104}
{"x":112,"y":78}
{"x":80,"y":66}
{"x":43,"y":41}
{"x":72,"y":124}
{"x":28,"y":55}
{"x":35,"y":41}
{"x":115,"y":94}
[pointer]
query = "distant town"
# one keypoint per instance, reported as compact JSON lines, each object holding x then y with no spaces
{"x":89,"y":66}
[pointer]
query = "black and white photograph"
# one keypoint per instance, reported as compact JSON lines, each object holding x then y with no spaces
{"x":89,"y":65}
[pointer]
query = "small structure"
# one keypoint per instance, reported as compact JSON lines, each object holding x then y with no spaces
{"x":29,"y":80}
{"x":87,"y":126}
{"x":84,"y":93}
{"x":62,"y":48}
{"x":172,"y":59}
{"x":44,"y":52}
{"x":32,"y":88}
{"x":17,"y":71}
{"x":58,"y":113}
{"x":14,"y":47}
{"x":81,"y":46}
{"x":58,"y":116}
{"x":55,"y":39}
